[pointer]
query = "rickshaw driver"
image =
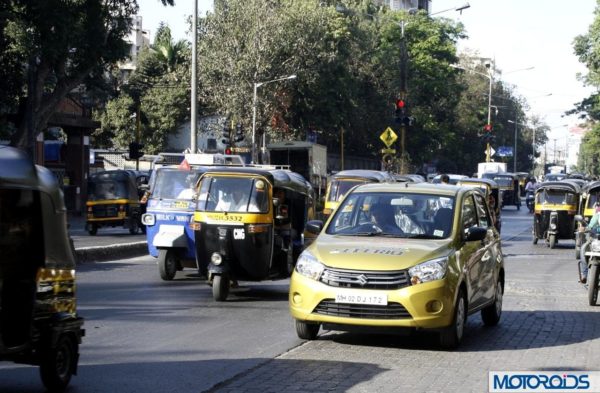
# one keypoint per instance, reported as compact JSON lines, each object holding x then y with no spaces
{"x":594,"y":226}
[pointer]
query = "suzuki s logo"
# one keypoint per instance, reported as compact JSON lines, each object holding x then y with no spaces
{"x":362,"y":280}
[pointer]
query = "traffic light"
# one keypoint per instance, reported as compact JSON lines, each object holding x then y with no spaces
{"x":226,"y":135}
{"x":399,"y":114}
{"x":135,"y":150}
{"x":239,"y":133}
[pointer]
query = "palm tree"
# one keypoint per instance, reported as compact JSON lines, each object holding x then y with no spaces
{"x":168,"y":53}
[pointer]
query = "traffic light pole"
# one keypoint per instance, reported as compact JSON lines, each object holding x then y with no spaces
{"x":137,"y":135}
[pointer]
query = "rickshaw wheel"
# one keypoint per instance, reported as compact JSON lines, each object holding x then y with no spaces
{"x":57,"y":364}
{"x":535,"y":239}
{"x":307,"y":331}
{"x":593,"y":284}
{"x":167,"y":264}
{"x":220,"y":287}
{"x":93,"y":230}
{"x":552,"y":241}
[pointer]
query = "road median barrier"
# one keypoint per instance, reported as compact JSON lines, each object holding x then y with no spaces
{"x":114,"y":251}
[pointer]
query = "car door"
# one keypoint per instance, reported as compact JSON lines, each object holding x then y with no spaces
{"x":471,"y":252}
{"x":489,"y":247}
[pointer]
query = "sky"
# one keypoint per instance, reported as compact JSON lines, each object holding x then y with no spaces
{"x":518,"y":34}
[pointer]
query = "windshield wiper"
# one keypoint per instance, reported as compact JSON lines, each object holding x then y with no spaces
{"x":421,"y":236}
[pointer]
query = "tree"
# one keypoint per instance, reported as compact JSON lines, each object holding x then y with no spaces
{"x":58,"y":46}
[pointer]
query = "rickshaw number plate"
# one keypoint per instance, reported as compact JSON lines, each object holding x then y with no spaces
{"x":180,"y":204}
{"x":239,"y":234}
{"x":361,"y":298}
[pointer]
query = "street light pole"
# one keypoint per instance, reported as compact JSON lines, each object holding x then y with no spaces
{"x":193,"y":103}
{"x":254,"y":99}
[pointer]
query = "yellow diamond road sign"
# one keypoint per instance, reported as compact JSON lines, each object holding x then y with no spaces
{"x":388,"y":136}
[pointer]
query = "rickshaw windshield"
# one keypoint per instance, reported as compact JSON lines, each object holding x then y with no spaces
{"x":175,"y":184}
{"x":339,"y":188}
{"x":402,"y":215}
{"x":592,"y":199}
{"x":234,"y":194}
{"x":107,"y":190}
{"x":504,"y":181}
{"x":557,"y":197}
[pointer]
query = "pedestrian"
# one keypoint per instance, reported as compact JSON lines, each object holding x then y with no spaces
{"x":593,"y":226}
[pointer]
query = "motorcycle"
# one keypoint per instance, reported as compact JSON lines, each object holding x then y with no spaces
{"x":530,"y":200}
{"x":590,"y":254}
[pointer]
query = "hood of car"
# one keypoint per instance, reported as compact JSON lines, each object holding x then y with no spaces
{"x":376,"y":253}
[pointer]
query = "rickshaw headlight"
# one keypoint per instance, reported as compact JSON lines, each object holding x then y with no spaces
{"x":595,"y":246}
{"x":553,"y":226}
{"x":216,"y":258}
{"x":309,"y":266}
{"x":148,"y":219}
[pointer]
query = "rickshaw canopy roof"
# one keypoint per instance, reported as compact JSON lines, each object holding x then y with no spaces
{"x":559,"y":185}
{"x":375,"y":176}
{"x":474,"y":180}
{"x":279,"y":178}
{"x":591,"y":186}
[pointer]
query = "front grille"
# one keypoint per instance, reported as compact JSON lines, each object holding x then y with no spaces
{"x":365,"y":279}
{"x":363,"y":311}
{"x":105,"y":211}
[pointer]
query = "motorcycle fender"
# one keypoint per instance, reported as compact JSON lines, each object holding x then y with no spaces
{"x":170,"y":236}
{"x":214,"y":269}
{"x":592,"y":254}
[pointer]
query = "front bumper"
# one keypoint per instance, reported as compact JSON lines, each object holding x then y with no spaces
{"x":428,"y":305}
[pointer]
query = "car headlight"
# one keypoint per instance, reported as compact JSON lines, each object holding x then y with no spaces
{"x":434,"y":269}
{"x":309,"y":266}
{"x":148,"y":219}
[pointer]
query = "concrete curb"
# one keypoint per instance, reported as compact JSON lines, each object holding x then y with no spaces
{"x":114,"y":251}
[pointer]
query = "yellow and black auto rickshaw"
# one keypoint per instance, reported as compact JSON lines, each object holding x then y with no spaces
{"x":590,"y":194}
{"x":39,"y":324}
{"x":556,"y":204}
{"x":249,"y":224}
{"x":340,"y":183}
{"x":509,"y":186}
{"x":113,"y":200}
{"x":492,"y":193}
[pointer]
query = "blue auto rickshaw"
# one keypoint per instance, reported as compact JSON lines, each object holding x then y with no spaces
{"x":169,"y":218}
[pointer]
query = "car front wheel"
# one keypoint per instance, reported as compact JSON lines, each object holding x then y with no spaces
{"x":452,"y":336}
{"x":307,"y":331}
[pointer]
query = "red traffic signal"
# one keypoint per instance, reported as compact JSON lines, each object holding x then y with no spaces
{"x":487,"y":127}
{"x":228,"y":150}
{"x":400,"y":103}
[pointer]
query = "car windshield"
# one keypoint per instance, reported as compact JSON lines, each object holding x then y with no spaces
{"x":339,"y":188}
{"x":170,"y":183}
{"x":234,"y":194}
{"x":108,"y":190}
{"x":403,"y":215}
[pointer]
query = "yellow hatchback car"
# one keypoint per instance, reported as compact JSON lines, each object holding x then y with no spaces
{"x":401,"y":255}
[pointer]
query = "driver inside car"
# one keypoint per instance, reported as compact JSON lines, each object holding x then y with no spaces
{"x":382,"y":217}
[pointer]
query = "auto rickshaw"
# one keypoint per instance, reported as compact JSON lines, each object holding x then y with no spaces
{"x":250,"y":223}
{"x":169,"y":218}
{"x":113,"y":200}
{"x":39,"y":324}
{"x":340,"y":183}
{"x":556,"y":204}
{"x":509,"y":186}
{"x":523,"y":177}
{"x":590,"y":194}
{"x":492,"y":193}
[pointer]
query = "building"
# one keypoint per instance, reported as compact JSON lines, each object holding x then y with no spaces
{"x":138,"y":38}
{"x":396,"y":5}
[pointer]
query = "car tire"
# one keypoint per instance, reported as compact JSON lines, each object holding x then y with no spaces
{"x":307,"y":331}
{"x":58,"y":363}
{"x":167,"y":264}
{"x":220,"y":287}
{"x":592,"y":281}
{"x":451,"y":336}
{"x":492,"y":313}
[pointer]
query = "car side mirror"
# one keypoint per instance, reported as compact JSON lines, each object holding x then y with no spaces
{"x":314,"y":226}
{"x":475,"y":234}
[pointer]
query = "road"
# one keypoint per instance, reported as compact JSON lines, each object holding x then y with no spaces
{"x":147,"y":335}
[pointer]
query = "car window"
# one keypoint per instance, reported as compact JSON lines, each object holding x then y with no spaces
{"x":469,"y":215}
{"x":482,"y":212}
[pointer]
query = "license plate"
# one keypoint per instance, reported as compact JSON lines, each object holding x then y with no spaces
{"x":361,"y":298}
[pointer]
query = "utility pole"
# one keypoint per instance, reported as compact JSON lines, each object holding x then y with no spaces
{"x":193,"y":98}
{"x":403,"y":94}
